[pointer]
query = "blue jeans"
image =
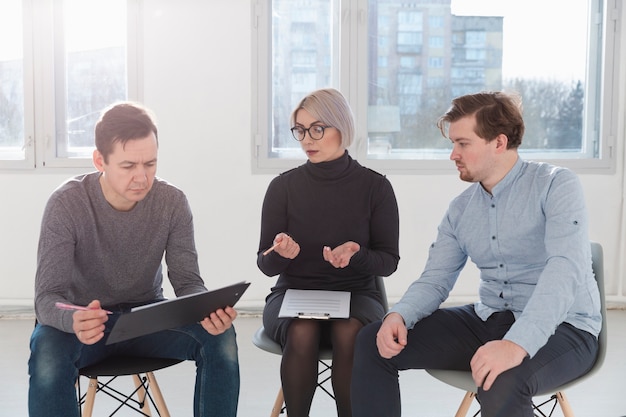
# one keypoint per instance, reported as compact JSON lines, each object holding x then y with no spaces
{"x":56,"y":357}
{"x":448,"y":339}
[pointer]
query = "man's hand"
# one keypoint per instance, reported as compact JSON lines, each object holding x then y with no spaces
{"x":391,"y":337}
{"x":340,"y":256}
{"x":219,"y":321}
{"x":89,"y":325}
{"x":493,"y":358}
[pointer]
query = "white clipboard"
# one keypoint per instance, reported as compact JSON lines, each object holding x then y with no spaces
{"x":315,"y":304}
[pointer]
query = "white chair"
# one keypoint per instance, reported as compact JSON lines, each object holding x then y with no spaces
{"x":263,"y":341}
{"x":463,"y":379}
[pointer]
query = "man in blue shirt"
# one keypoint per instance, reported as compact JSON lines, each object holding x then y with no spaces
{"x":524,"y":225}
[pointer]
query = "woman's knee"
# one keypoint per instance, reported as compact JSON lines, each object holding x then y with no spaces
{"x":345,"y":332}
{"x":304,"y":332}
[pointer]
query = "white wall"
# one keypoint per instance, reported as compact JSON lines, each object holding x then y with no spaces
{"x":197,"y":80}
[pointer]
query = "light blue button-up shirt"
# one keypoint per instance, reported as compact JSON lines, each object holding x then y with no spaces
{"x":529,"y":239}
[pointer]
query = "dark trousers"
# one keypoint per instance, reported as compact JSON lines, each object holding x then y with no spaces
{"x":447,"y":339}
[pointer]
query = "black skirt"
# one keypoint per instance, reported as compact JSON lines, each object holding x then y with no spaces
{"x":363,"y":307}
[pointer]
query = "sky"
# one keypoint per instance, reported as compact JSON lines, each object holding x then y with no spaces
{"x":9,"y":24}
{"x":105,"y":20}
{"x":542,"y":38}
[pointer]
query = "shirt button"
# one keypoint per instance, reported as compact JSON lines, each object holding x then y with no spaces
{"x":493,"y":238}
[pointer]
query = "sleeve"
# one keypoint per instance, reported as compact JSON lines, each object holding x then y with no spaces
{"x":383,"y":254}
{"x":273,"y":221}
{"x":55,"y":262}
{"x":568,"y":262}
{"x":180,"y":254}
{"x":445,"y":261}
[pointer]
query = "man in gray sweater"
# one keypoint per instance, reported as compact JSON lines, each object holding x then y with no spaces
{"x":103,"y":238}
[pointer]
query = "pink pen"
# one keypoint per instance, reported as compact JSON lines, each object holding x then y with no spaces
{"x":64,"y":306}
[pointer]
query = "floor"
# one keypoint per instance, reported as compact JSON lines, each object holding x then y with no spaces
{"x":602,"y":396}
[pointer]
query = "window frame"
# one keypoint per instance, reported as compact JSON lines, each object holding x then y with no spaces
{"x":352,"y":81}
{"x":43,"y":90}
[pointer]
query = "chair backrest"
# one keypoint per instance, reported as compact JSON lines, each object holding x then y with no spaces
{"x":380,"y":286}
{"x":597,"y":264}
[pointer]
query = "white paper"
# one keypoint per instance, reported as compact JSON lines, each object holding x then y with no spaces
{"x":316,"y":304}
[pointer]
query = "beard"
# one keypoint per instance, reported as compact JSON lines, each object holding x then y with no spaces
{"x":466,"y":176}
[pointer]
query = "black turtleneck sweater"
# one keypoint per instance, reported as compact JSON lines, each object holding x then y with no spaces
{"x":327,"y":204}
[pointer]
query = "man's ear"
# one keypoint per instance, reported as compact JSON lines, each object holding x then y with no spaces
{"x":98,"y":160}
{"x":502,"y":141}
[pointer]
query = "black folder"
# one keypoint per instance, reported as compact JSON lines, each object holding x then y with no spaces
{"x":174,"y":312}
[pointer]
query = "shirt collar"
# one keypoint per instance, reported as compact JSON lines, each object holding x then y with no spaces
{"x":508,"y":179}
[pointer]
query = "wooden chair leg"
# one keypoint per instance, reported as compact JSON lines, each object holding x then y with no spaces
{"x":158,"y":396}
{"x":565,"y":406}
{"x":141,"y":395}
{"x":90,"y":397}
{"x":278,"y":404}
{"x":465,"y":404}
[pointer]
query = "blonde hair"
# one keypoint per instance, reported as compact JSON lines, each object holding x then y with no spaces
{"x":330,"y":107}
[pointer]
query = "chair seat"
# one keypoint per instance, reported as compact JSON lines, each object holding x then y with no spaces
{"x":264,"y":342}
{"x":463,"y":380}
{"x":126,"y":365}
{"x":141,"y":369}
{"x":458,"y":379}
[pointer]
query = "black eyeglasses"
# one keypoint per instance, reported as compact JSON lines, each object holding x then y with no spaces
{"x":316,"y":132}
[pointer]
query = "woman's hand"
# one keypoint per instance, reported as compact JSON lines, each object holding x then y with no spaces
{"x":285,"y":246}
{"x":340,"y":256}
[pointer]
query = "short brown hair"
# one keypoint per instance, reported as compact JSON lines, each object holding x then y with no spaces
{"x":496,"y":113}
{"x":123,"y":122}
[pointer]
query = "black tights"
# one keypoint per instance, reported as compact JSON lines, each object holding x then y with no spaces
{"x":299,"y":364}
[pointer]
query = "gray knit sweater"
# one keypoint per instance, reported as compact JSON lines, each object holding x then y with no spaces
{"x":88,"y":250}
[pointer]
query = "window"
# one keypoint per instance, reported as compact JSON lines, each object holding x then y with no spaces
{"x":435,"y":21}
{"x":71,"y":57}
{"x":409,"y":42}
{"x":406,"y":61}
{"x":435,"y":62}
{"x":14,"y":145}
{"x":402,"y":61}
{"x":436,"y":42}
